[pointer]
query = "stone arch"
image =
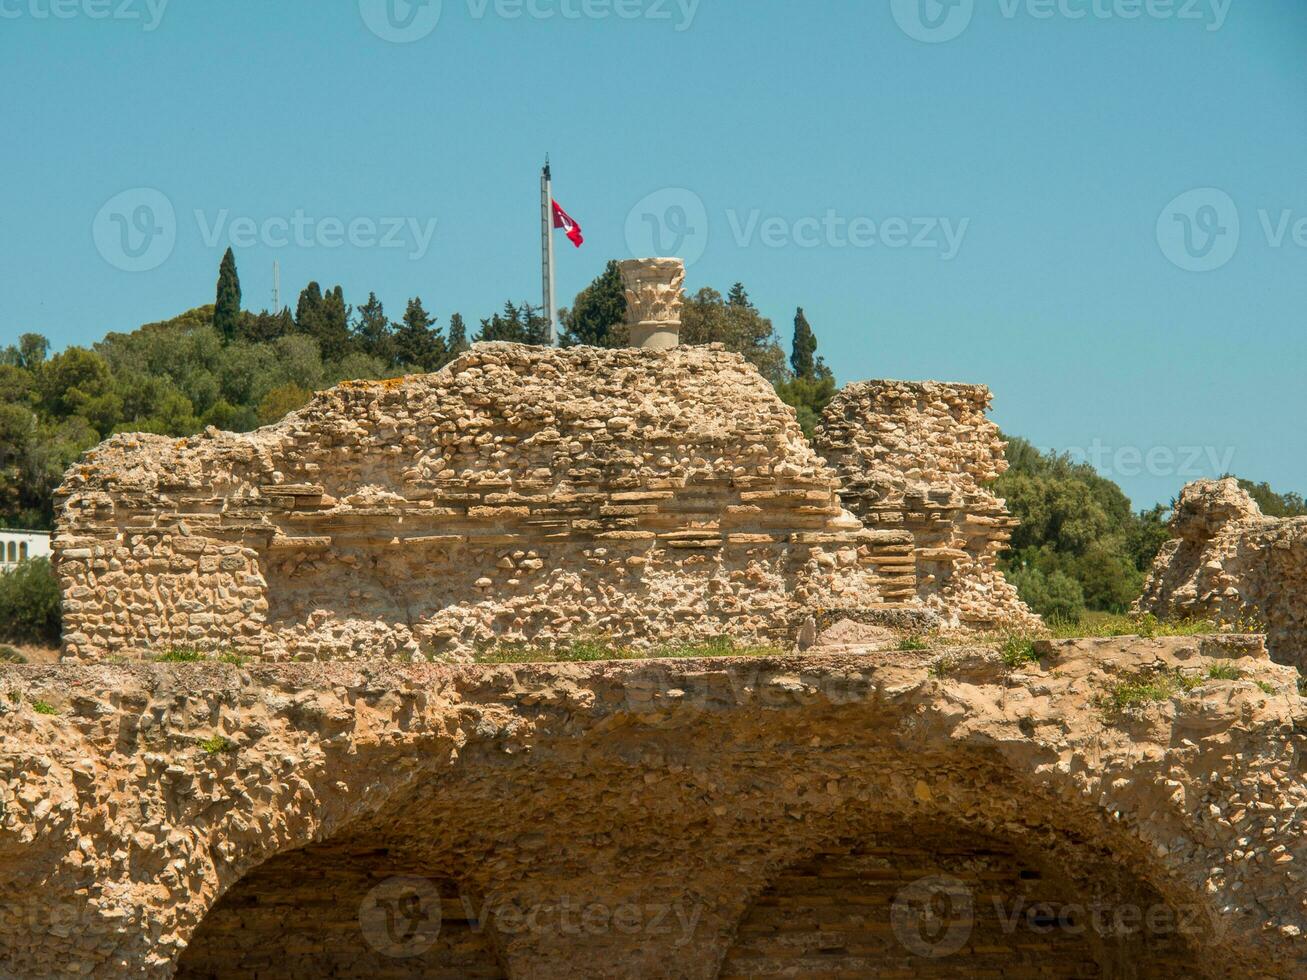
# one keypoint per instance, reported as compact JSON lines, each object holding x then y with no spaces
{"x":931,"y":900}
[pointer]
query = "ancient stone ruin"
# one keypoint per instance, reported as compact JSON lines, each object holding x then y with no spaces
{"x":913,"y":460}
{"x":791,"y":816}
{"x":1228,"y":562}
{"x":315,"y":799}
{"x":527,"y":494}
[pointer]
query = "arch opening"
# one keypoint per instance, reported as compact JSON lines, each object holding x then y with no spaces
{"x":952,"y":902}
{"x":341,"y":909}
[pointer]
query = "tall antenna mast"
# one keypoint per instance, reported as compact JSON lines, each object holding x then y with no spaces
{"x":276,"y":286}
{"x":547,"y":247}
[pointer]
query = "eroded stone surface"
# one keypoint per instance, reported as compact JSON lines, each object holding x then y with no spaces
{"x":521,"y":494}
{"x":914,"y":459}
{"x":158,"y":805}
{"x":1228,"y":562}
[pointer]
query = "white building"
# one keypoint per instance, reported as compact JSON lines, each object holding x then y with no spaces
{"x":16,"y":546}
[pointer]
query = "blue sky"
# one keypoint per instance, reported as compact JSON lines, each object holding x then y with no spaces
{"x":998,"y":191}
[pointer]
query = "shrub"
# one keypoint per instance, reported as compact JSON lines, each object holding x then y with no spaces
{"x":1018,"y":651}
{"x":30,"y":608}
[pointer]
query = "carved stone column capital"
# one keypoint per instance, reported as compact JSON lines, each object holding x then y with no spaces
{"x":653,"y":301}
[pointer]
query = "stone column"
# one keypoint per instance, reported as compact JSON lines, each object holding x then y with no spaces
{"x":653,"y":301}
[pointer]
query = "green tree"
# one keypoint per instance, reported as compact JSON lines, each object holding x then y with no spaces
{"x":281,"y":401}
{"x":1077,"y":524}
{"x":1275,"y":504}
{"x":325,"y":318}
{"x":78,"y":382}
{"x":417,"y":343}
{"x":598,"y":314}
{"x":227,"y":306}
{"x":735,"y":322}
{"x":525,"y":324}
{"x":457,"y":336}
{"x":29,"y":353}
{"x":803,"y":349}
{"x":373,"y":331}
{"x":30,"y":610}
{"x":265,"y":327}
{"x":809,"y":398}
{"x":1058,"y":596}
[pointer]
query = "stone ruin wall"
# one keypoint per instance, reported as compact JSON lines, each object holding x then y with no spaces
{"x":1228,"y":562}
{"x":914,"y":459}
{"x":521,"y":494}
{"x":770,"y":811}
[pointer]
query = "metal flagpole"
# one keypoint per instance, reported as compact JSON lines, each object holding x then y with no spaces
{"x":547,"y":247}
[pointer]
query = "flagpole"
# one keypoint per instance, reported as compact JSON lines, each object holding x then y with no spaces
{"x":547,"y":248}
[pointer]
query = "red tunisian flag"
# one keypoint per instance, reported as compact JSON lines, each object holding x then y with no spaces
{"x":563,"y":220}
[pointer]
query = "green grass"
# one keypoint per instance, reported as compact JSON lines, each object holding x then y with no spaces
{"x":1102,"y":625}
{"x":44,"y":708}
{"x":588,"y":651}
{"x":1140,"y":690}
{"x":1267,"y":687}
{"x":1224,"y":672}
{"x":232,"y":658}
{"x":11,"y":656}
{"x":912,"y":643}
{"x":217,"y":744}
{"x":181,"y":655}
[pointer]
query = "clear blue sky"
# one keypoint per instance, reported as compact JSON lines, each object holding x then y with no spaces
{"x":1051,"y":143}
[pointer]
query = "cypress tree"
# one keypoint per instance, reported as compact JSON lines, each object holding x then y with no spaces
{"x":227,"y":307}
{"x":457,"y":335}
{"x":804,"y":349}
